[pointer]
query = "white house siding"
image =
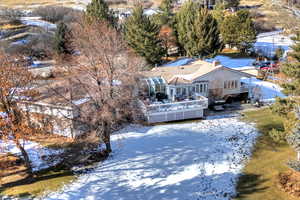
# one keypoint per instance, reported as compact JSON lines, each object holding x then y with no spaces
{"x":217,"y":78}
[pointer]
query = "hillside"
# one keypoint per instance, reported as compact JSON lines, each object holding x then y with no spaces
{"x":31,"y":4}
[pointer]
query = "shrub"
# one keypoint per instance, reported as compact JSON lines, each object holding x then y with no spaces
{"x":283,"y":106}
{"x":278,"y":135}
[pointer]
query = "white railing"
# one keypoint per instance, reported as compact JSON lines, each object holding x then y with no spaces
{"x":177,"y":106}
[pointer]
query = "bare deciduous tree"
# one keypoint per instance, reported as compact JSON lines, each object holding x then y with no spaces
{"x":107,"y":73}
{"x":15,"y":80}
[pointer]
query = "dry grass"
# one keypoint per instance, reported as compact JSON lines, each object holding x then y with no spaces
{"x":11,"y":169}
{"x":272,"y":16}
{"x":31,"y":4}
{"x":52,"y":140}
{"x":13,"y":175}
{"x":260,"y":178}
{"x":44,"y":182}
{"x":12,"y":26}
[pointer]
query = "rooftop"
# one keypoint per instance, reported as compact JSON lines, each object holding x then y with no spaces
{"x":188,"y":72}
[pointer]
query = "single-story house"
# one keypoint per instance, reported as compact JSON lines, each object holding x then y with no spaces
{"x":211,"y":80}
{"x":197,"y":83}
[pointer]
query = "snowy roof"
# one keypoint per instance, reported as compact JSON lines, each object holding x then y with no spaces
{"x":188,"y":72}
{"x":179,"y":62}
{"x":232,"y":62}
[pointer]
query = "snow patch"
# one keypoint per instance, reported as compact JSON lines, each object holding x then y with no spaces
{"x":37,"y":154}
{"x":36,"y":21}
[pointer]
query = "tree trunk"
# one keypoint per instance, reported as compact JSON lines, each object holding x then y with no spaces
{"x":26,"y":159}
{"x":107,"y":130}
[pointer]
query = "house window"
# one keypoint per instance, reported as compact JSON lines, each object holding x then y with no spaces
{"x":201,"y":88}
{"x":183,"y":91}
{"x":197,"y":88}
{"x":171,"y":92}
{"x":230,"y":84}
{"x":178,"y":91}
{"x":193,"y":89}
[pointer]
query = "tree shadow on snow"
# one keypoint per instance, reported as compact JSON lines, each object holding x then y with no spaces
{"x":166,"y":164}
{"x":248,"y":184}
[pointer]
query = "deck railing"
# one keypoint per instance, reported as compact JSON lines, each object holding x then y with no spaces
{"x":177,"y":106}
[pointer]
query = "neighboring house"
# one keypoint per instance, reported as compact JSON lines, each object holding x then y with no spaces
{"x":189,"y":87}
{"x":53,"y":108}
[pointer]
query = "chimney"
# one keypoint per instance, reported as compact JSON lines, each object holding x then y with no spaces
{"x":216,"y":63}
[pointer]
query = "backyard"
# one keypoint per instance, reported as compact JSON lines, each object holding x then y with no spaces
{"x":195,"y":160}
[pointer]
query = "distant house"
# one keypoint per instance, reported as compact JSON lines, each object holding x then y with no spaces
{"x":53,"y":107}
{"x":191,"y":83}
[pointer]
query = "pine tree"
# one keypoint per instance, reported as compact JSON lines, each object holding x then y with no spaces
{"x":61,"y":39}
{"x":198,"y":31}
{"x":142,"y":36}
{"x":218,"y":12}
{"x":99,"y":10}
{"x":238,"y":30}
{"x":165,"y":15}
{"x":292,"y":69}
{"x":292,"y":87}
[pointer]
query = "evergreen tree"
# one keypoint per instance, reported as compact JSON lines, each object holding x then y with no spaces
{"x":292,"y":69}
{"x":198,"y":31}
{"x":292,"y":87}
{"x":238,"y":30}
{"x":218,"y":12}
{"x":61,"y":39}
{"x":99,"y":10}
{"x":165,"y":15}
{"x":142,"y":36}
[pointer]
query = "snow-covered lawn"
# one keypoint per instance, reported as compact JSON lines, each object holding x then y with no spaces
{"x":37,"y":154}
{"x":36,"y":21}
{"x":268,"y":90}
{"x":199,"y":160}
{"x":268,"y":42}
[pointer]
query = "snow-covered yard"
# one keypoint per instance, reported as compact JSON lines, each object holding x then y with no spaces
{"x":268,"y":91}
{"x":268,"y":42}
{"x":37,"y":154}
{"x":199,"y":160}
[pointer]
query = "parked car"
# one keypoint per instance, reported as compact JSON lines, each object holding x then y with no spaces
{"x":265,"y":65}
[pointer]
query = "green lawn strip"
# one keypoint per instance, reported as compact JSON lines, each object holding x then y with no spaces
{"x":45,"y":181}
{"x":260,"y":175}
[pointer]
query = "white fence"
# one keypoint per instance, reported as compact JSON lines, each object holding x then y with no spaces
{"x":175,"y":111}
